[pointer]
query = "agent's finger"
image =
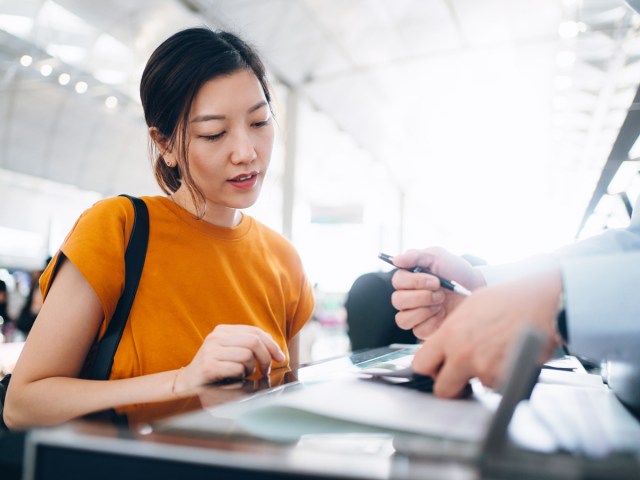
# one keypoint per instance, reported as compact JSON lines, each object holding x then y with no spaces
{"x":452,"y":379}
{"x":409,"y":299}
{"x":429,"y":357}
{"x":410,"y":319}
{"x":406,"y":259}
{"x":426,"y":329}
{"x":425,"y":257}
{"x":406,"y":280}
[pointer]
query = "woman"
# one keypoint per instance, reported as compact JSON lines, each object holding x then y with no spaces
{"x":220,"y":296}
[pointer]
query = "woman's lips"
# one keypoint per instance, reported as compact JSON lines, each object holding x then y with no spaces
{"x":244,"y":181}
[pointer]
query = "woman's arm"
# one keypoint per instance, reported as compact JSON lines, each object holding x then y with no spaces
{"x":45,"y":388}
{"x":294,"y":352}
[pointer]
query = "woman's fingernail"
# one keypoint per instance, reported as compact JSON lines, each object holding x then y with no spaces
{"x":281,"y":356}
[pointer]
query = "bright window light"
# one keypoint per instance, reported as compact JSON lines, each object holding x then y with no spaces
{"x":21,"y":243}
{"x":69,"y":54}
{"x":55,"y":17}
{"x":563,"y":82}
{"x":17,"y":25}
{"x":560,"y":102}
{"x":565,"y":59}
{"x":110,"y":77}
{"x":624,"y":177}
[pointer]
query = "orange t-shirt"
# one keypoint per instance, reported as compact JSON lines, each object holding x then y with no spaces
{"x":196,"y":275}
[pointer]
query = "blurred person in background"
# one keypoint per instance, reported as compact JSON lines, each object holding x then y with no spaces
{"x":4,"y":316}
{"x":33,"y":302}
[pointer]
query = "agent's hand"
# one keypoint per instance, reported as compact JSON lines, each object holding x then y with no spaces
{"x":422,"y":304}
{"x":230,"y":351}
{"x":477,"y":337}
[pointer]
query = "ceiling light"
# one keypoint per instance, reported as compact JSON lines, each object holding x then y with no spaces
{"x":26,"y":60}
{"x":46,"y":70}
{"x":64,"y":78}
{"x":111,"y":102}
{"x":569,"y":29}
{"x":81,"y":87}
{"x":111,"y":77}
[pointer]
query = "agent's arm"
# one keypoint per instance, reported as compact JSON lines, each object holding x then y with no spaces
{"x":603,"y":306}
{"x":45,"y":388}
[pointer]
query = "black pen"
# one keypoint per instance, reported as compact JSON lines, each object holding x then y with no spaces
{"x":444,"y":282}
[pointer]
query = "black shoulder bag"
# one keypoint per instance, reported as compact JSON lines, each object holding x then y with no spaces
{"x":105,"y":350}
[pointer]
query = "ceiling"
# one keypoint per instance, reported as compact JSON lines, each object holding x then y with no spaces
{"x":448,"y":98}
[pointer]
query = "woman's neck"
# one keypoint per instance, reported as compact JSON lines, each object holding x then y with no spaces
{"x":214,"y":214}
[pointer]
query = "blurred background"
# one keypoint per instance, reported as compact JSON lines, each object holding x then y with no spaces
{"x":494,"y":128}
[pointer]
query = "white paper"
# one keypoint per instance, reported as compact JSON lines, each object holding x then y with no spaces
{"x":357,"y":405}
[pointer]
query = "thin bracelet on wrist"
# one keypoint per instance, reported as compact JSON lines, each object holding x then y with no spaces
{"x":173,"y":384}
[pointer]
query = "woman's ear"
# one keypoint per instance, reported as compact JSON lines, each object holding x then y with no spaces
{"x":162,"y":144}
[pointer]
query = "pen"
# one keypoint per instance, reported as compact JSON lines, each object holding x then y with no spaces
{"x":444,"y":282}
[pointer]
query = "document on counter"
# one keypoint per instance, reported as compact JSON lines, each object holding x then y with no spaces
{"x":344,"y":405}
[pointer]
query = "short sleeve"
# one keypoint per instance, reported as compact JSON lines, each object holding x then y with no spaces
{"x":96,"y":246}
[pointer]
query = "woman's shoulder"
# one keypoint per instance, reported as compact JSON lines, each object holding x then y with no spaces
{"x":106,"y":220}
{"x":120,"y":207}
{"x":269,"y":234}
{"x":276,"y":242}
{"x":111,"y":207}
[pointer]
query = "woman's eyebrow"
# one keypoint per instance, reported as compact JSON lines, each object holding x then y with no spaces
{"x":205,"y":117}
{"x":257,"y":106}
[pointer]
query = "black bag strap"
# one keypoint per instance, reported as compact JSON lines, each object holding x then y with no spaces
{"x":134,"y":261}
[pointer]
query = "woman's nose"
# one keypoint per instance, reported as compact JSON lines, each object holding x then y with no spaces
{"x":243,"y":150}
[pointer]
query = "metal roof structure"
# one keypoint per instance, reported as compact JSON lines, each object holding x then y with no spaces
{"x":501,"y":107}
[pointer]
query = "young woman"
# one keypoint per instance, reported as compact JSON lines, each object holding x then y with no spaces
{"x":220,"y":296}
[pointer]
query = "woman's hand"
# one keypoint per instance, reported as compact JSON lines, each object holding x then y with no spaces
{"x":421,"y":302}
{"x":229,"y":351}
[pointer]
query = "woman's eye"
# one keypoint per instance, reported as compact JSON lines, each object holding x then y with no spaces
{"x":263,"y":123}
{"x":213,"y":137}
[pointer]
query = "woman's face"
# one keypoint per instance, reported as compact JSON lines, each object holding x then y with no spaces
{"x":230,"y":138}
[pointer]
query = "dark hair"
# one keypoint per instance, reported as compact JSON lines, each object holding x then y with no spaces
{"x":174,"y":74}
